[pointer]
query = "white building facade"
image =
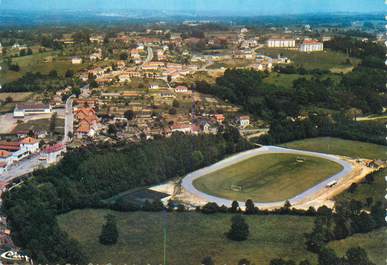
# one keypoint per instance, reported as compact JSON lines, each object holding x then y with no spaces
{"x":311,"y":46}
{"x":281,"y":43}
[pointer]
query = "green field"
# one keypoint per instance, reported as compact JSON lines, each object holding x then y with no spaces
{"x":286,"y":80}
{"x":41,"y":124}
{"x":374,"y":243}
{"x":36,"y":63}
{"x":191,"y":236}
{"x":337,"y":146}
{"x":327,"y":60}
{"x":267,"y":178}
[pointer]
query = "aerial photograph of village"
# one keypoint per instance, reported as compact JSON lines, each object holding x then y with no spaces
{"x":193,"y":132}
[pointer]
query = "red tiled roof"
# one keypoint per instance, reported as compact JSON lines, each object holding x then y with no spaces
{"x":4,"y":154}
{"x":5,"y":143}
{"x":10,"y":146}
{"x":244,"y":118}
{"x":29,"y":140}
{"x":311,"y":42}
{"x":54,"y":148}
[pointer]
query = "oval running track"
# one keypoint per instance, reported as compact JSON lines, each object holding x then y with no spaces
{"x":187,"y":181}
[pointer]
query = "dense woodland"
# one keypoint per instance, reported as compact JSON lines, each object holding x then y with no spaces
{"x":86,"y":176}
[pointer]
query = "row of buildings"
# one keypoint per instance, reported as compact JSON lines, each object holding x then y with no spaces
{"x":12,"y":152}
{"x":307,"y":45}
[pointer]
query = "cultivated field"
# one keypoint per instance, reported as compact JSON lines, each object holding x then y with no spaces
{"x":327,"y":60}
{"x":354,"y":149}
{"x":36,"y":63}
{"x":191,"y":236}
{"x":268,"y":177}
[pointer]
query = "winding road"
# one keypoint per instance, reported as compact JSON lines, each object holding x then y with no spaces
{"x":69,"y":119}
{"x":188,"y":180}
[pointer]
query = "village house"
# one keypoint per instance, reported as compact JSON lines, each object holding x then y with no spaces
{"x":76,"y":60}
{"x":95,"y":56}
{"x":153,"y":66}
{"x":219,"y":118}
{"x":124,"y":78}
{"x":184,"y":128}
{"x":181,"y":89}
{"x":30,"y":145}
{"x":53,"y":153}
{"x":14,"y":151}
{"x":5,"y":160}
{"x":87,"y":122}
{"x":243,"y":121}
{"x":96,"y":39}
{"x":135,"y":54}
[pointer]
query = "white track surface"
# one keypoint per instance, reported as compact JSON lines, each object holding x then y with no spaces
{"x":188,"y":180}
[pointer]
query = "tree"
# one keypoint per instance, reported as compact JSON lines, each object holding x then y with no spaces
{"x":76,"y":91}
{"x":123,"y":56}
{"x":8,"y":99}
{"x":14,"y":67}
{"x":328,"y":257}
{"x":282,"y":262}
{"x":129,"y":114}
{"x":172,"y":111}
{"x":250,"y":208}
{"x":305,"y":262}
{"x":112,"y":129}
{"x":210,"y":208}
{"x":53,"y":123}
{"x":357,"y":256}
{"x":197,"y":159}
{"x":378,"y":214}
{"x":234,"y":207}
{"x":244,"y":262}
{"x":109,"y":232}
{"x":239,"y":230}
{"x":207,"y":261}
{"x":53,"y":74}
{"x":364,"y":222}
{"x":287,"y":204}
{"x":175,"y":103}
{"x":69,"y":73}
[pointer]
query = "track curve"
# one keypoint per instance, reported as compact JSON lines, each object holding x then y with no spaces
{"x":187,"y":182}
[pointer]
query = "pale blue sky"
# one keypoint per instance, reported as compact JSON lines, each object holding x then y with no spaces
{"x":236,"y":6}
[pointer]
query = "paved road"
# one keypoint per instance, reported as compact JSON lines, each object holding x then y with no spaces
{"x":149,"y":56}
{"x":23,"y":167}
{"x":69,"y":119}
{"x":187,"y":181}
